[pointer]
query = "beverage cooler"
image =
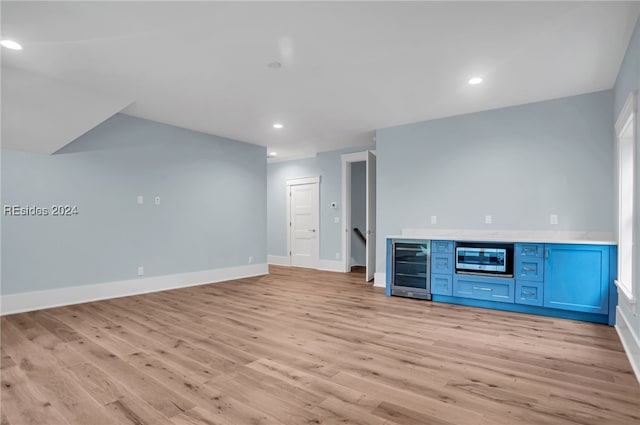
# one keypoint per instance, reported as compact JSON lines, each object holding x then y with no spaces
{"x":410,"y":263}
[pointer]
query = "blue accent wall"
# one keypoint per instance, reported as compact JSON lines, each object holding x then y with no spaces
{"x":519,"y":164}
{"x":212,"y":211}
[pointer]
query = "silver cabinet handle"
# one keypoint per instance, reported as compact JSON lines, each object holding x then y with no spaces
{"x":312,"y":230}
{"x":480,"y":288}
{"x":528,"y":269}
{"x":528,"y":293}
{"x":441,"y":284}
{"x":546,"y":253}
{"x":441,"y":263}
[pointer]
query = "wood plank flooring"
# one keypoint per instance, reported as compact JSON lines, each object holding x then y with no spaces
{"x":307,"y":347}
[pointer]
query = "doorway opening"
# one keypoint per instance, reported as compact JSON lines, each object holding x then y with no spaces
{"x":352,"y":240}
{"x":358,"y":255}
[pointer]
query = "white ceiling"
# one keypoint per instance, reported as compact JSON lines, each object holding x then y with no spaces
{"x":42,"y":115}
{"x":348,"y":67}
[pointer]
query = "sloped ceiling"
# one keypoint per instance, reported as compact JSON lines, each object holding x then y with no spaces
{"x":42,"y":115}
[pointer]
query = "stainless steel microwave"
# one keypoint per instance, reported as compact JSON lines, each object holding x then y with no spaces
{"x":485,"y":259}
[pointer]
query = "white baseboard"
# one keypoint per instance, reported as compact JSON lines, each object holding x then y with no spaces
{"x":630,"y":341}
{"x":331,"y":266}
{"x":278,"y":260}
{"x":38,"y":300}
{"x":380,"y":280}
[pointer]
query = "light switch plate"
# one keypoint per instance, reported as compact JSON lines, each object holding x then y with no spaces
{"x":336,"y":219}
{"x":487,"y":219}
{"x":140,"y":271}
{"x":434,"y":219}
{"x":157,"y":200}
{"x":553,"y":219}
{"x":140,"y":199}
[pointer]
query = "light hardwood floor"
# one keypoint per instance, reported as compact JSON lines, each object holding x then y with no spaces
{"x":307,"y":347}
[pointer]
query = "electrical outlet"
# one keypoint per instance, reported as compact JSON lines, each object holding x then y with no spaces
{"x":487,"y":219}
{"x":434,"y":219}
{"x":553,"y":219}
{"x":250,"y":260}
{"x":157,"y":200}
{"x":140,"y":199}
{"x":337,"y":255}
{"x":336,"y":219}
{"x":140,"y":271}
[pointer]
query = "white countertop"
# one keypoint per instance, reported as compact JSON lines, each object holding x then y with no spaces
{"x":563,"y":236}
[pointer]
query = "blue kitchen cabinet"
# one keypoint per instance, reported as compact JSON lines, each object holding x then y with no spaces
{"x":442,"y":263}
{"x":528,"y":250}
{"x":572,"y":281}
{"x":442,"y":267}
{"x":441,"y":284}
{"x":529,"y":273}
{"x":528,"y":292}
{"x":577,"y":278}
{"x":498,"y":289}
{"x":442,"y":247}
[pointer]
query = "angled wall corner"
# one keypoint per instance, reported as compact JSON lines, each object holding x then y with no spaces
{"x":42,"y":115}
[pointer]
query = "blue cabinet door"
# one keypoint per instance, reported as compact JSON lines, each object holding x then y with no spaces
{"x":576,"y":277}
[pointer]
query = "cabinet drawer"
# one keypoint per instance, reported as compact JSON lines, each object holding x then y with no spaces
{"x":529,"y":293}
{"x":441,"y":284}
{"x":484,"y":288}
{"x":443,"y":247}
{"x":529,"y":250}
{"x":529,"y":269}
{"x":441,"y":263}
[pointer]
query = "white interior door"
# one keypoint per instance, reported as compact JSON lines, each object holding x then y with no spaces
{"x":371,"y":216}
{"x":304,"y":229}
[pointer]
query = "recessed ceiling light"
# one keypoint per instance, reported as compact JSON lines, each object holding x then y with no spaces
{"x":475,"y":80}
{"x":274,"y":64}
{"x":273,"y":153}
{"x":278,"y":126}
{"x":10,"y":44}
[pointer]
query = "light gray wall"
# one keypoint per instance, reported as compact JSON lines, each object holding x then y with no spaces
{"x":628,"y":80}
{"x":327,"y":165}
{"x":212,"y":212}
{"x":358,"y":211}
{"x":518,"y":164}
